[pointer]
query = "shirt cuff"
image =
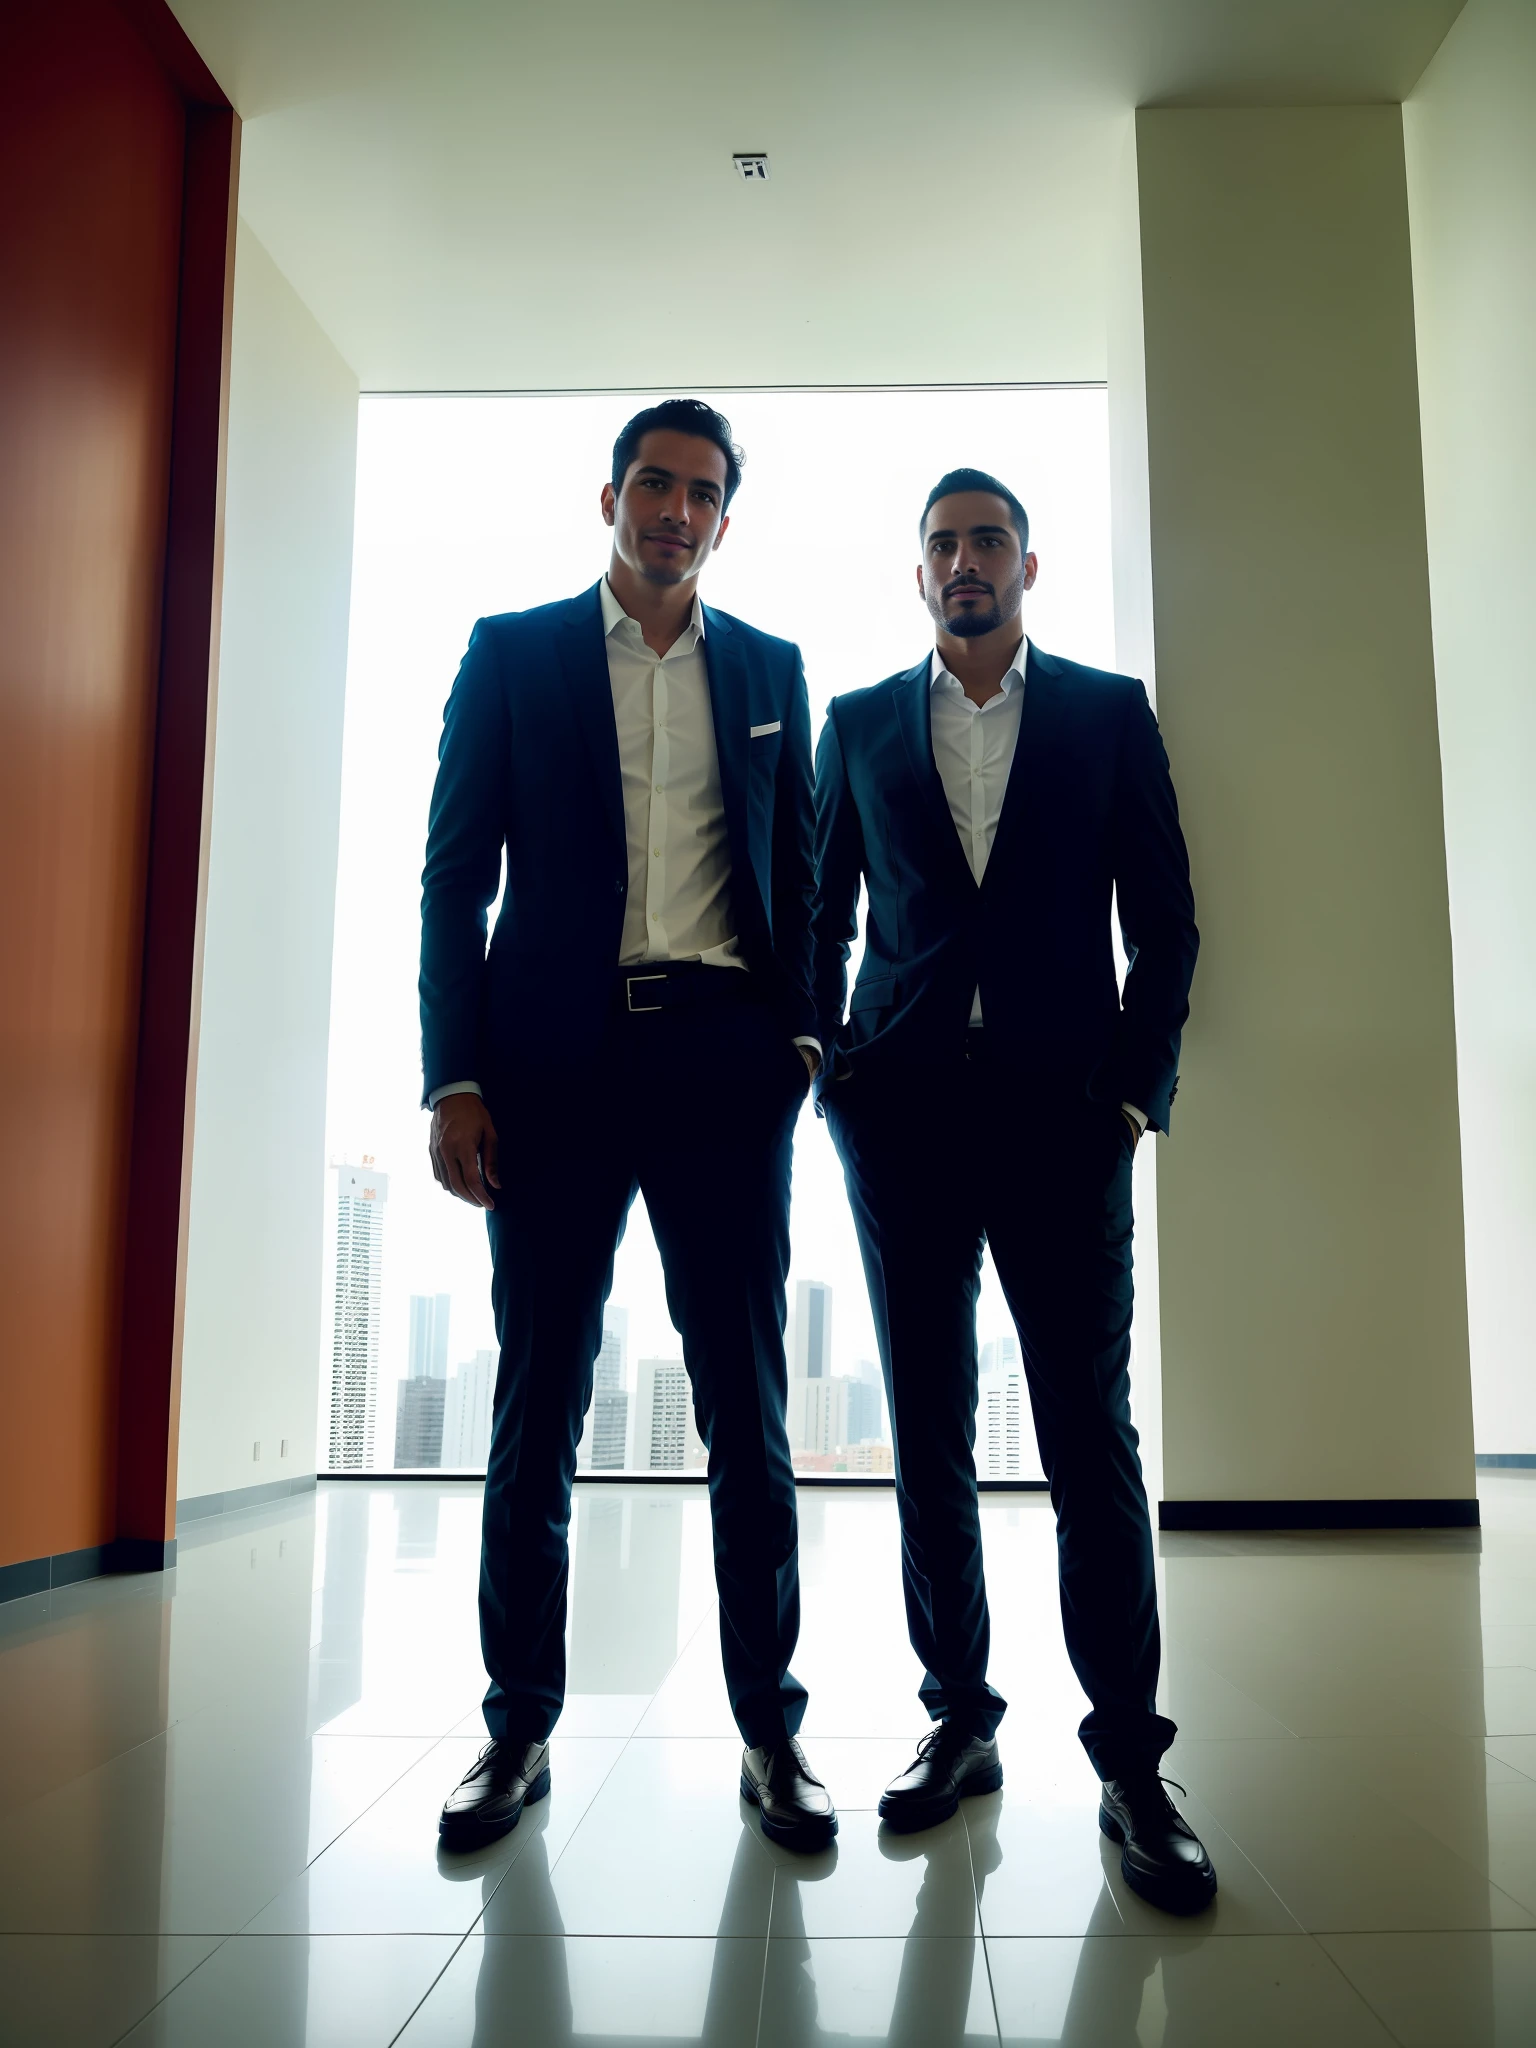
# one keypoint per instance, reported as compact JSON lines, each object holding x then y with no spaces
{"x":1137,"y":1116}
{"x":452,"y":1088}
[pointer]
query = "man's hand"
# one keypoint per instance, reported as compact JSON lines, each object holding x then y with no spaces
{"x":812,"y":1059}
{"x":1135,"y":1128}
{"x":462,"y":1148}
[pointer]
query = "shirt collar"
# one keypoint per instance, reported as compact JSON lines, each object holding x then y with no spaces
{"x":614,"y":615}
{"x":938,"y":674}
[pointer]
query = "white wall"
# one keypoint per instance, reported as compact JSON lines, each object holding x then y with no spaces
{"x":251,"y":1350}
{"x":1470,"y":132}
{"x":1314,"y":1332}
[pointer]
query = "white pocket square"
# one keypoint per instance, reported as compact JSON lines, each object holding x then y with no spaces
{"x":761,"y":732}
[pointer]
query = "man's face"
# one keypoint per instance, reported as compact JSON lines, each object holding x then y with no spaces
{"x":973,"y":574}
{"x":669,"y":512}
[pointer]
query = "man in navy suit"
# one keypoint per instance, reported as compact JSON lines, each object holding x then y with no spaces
{"x":990,"y":1085}
{"x":642,"y":1022}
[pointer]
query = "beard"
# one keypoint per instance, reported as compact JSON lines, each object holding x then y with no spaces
{"x":983,"y":618}
{"x":972,"y":625}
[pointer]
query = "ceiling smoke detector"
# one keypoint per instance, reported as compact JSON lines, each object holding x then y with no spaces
{"x":751,"y":165}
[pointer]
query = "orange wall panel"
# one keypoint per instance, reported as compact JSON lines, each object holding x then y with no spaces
{"x":91,"y":155}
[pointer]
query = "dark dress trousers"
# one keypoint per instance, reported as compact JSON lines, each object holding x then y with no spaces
{"x":602,"y":1082}
{"x":1010,"y":1135}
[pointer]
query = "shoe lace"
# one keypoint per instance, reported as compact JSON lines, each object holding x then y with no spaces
{"x":1152,"y":1791}
{"x":941,"y":1737}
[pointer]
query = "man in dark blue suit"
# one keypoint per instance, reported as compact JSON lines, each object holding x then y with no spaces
{"x":990,"y":1085}
{"x":642,"y":1022}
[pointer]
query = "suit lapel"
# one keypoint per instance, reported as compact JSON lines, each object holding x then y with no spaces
{"x":915,"y":721}
{"x":725,"y":666}
{"x":1026,"y":797}
{"x":584,"y":667}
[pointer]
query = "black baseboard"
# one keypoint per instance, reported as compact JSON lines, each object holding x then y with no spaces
{"x":1317,"y":1514}
{"x":1505,"y":1461}
{"x":96,"y":1561}
{"x":199,"y":1506}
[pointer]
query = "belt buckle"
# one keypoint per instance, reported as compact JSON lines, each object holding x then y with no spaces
{"x":640,"y":1009}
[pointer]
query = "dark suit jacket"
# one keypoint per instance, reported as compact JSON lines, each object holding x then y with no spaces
{"x":529,"y":762}
{"x":1089,"y":810}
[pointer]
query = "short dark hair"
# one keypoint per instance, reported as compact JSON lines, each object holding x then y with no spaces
{"x":977,"y":480}
{"x":679,"y":416}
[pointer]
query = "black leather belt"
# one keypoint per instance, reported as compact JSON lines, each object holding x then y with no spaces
{"x":679,"y":986}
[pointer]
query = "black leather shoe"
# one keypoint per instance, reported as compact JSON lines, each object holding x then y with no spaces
{"x":488,"y":1801}
{"x":950,"y":1766}
{"x":793,"y":1806}
{"x":1164,"y":1860}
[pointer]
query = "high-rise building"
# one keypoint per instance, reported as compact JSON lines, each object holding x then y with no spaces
{"x":419,"y":1424}
{"x":467,"y":1414}
{"x":362,"y":1193}
{"x":811,"y":1358}
{"x":1001,"y":1421}
{"x":866,"y":1412}
{"x":613,"y":1353}
{"x":998,"y":1354}
{"x":817,"y":1416}
{"x":604,"y":1437}
{"x":665,"y":1438}
{"x":429,"y":1336}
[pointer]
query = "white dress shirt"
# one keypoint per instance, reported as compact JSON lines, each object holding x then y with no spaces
{"x":679,"y":901}
{"x":973,"y":750}
{"x":678,"y":906}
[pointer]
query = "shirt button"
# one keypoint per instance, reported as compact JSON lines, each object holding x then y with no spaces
{"x":656,"y":850}
{"x":655,"y":917}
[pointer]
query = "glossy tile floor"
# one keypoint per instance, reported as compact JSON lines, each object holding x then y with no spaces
{"x":219,"y":1792}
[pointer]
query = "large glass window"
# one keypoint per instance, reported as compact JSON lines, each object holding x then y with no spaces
{"x":470,"y":505}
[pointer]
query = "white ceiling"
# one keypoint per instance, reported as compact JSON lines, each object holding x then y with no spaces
{"x":478,"y":196}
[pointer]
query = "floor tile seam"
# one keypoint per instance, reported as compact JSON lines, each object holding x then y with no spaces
{"x":1360,"y":1993}
{"x":448,"y":1963}
{"x":762,"y":1982}
{"x":1275,"y":1889}
{"x":1403,"y":1818}
{"x":712,"y":1613}
{"x":476,"y":1924}
{"x":1243,"y":1693}
{"x":1419,"y":1932}
{"x":326,"y":1848}
{"x":106,"y":1763}
{"x":129,"y":2032}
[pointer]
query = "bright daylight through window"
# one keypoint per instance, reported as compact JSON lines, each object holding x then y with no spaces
{"x":474,"y":505}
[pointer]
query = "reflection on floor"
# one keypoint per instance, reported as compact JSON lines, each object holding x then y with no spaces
{"x":219,"y":1790}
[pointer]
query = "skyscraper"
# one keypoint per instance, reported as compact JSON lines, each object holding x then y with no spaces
{"x":419,"y":1424}
{"x":812,"y":1355}
{"x":1002,"y":1408}
{"x":998,"y":1354}
{"x":865,"y":1412}
{"x":361,"y":1195}
{"x":665,"y":1438}
{"x":429,"y":1336}
{"x":605,"y":1433}
{"x":467,"y":1414}
{"x":817,"y":1415}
